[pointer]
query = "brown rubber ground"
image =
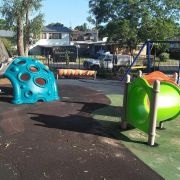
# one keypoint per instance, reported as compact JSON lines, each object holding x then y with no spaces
{"x":60,"y":140}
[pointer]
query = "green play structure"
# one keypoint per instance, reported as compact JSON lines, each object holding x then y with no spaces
{"x":139,"y":98}
{"x":140,"y":102}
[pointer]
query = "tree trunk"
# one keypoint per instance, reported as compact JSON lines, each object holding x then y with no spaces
{"x":27,"y":34}
{"x":131,"y":52}
{"x":20,"y":36}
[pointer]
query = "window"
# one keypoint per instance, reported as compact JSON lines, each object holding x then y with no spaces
{"x":44,"y":36}
{"x":55,"y":36}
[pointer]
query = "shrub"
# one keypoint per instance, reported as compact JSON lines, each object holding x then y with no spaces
{"x":164,"y":56}
{"x":10,"y":46}
{"x":105,"y":74}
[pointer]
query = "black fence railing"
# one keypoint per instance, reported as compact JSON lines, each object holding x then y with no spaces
{"x":65,"y":64}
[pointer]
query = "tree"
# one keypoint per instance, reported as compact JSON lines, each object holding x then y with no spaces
{"x":82,"y":27}
{"x":9,"y":45}
{"x":17,"y":14}
{"x":9,"y":42}
{"x":122,"y":32}
{"x":13,"y":11}
{"x":30,"y":6}
{"x":158,"y":29}
{"x":2,"y":24}
{"x":55,"y":24}
{"x":36,"y":26}
{"x":98,"y":11}
{"x":132,"y":21}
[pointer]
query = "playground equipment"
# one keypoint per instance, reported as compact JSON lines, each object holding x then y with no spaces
{"x":31,"y":80}
{"x":3,"y":52}
{"x":76,"y":73}
{"x":149,"y":100}
{"x":148,"y":44}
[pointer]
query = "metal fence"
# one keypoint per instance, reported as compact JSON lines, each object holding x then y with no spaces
{"x":54,"y":64}
{"x":78,"y":64}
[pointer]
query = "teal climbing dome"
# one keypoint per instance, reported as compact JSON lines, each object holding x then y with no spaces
{"x":32,"y":81}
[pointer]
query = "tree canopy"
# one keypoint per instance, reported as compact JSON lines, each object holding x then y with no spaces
{"x":17,"y":13}
{"x":133,"y":21}
{"x":55,"y":24}
{"x":82,"y":27}
{"x":3,"y":24}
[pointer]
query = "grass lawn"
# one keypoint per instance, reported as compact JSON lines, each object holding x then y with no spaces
{"x":164,"y":159}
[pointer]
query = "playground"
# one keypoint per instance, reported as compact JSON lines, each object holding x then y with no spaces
{"x":61,"y":140}
{"x":89,"y":90}
{"x":42,"y":141}
{"x":95,"y":129}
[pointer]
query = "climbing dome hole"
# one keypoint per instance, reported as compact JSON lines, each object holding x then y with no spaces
{"x":40,"y":81}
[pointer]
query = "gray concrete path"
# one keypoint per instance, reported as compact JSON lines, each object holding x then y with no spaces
{"x":101,"y":85}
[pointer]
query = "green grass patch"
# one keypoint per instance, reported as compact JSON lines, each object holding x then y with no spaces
{"x":164,"y":159}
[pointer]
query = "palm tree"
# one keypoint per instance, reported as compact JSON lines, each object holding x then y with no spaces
{"x":16,"y":12}
{"x":29,"y":6}
{"x":13,"y":11}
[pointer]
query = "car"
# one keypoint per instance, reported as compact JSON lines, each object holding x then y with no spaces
{"x":93,"y":64}
{"x":108,"y":61}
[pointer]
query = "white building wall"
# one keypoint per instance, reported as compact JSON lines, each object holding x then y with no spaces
{"x":64,"y":41}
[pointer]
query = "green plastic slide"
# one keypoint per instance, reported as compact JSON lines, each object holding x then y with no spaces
{"x":139,"y":99}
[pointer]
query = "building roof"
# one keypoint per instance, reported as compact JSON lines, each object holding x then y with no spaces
{"x":56,"y":29}
{"x":4,"y":33}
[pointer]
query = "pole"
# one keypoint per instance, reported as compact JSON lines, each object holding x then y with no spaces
{"x":79,"y":63}
{"x":123,"y":124}
{"x":175,"y":77}
{"x":149,"y":55}
{"x":140,"y":74}
{"x":161,"y":125}
{"x":178,"y":79}
{"x":78,"y":55}
{"x":153,"y":113}
{"x":48,"y":59}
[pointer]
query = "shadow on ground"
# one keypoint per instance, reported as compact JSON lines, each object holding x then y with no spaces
{"x":6,"y":93}
{"x":84,"y":123}
{"x":81,"y":122}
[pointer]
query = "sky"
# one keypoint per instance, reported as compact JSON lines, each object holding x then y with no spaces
{"x":71,"y":13}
